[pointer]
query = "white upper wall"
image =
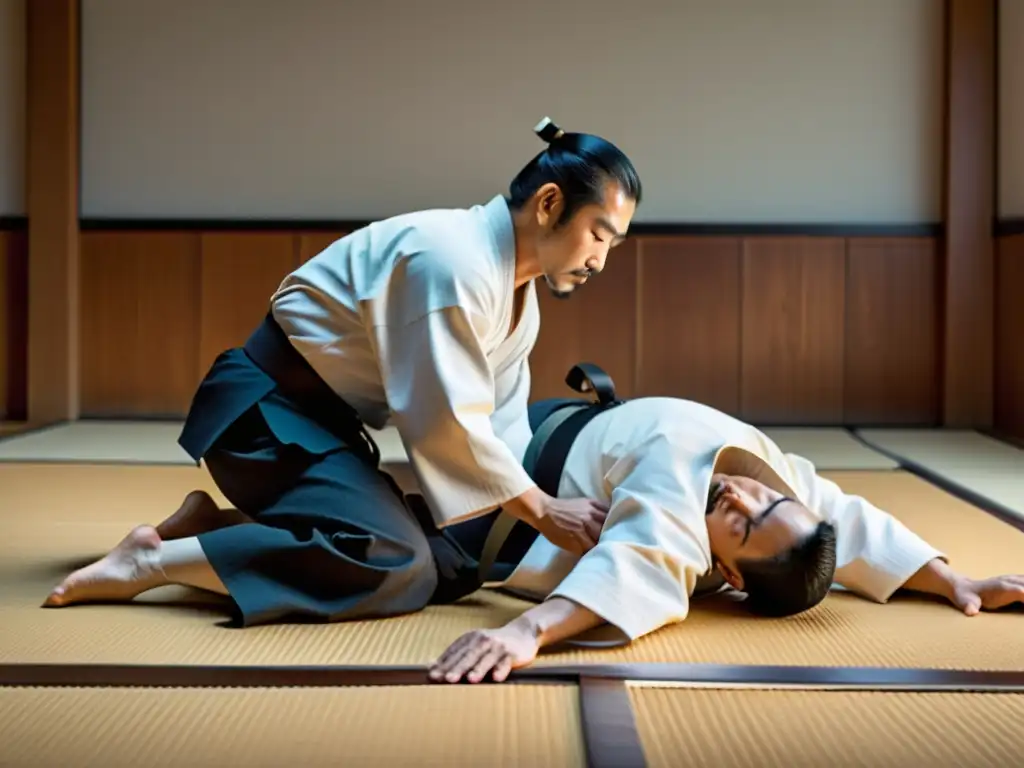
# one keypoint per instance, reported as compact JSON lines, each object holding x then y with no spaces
{"x":12,"y":107}
{"x":1011,"y":108}
{"x":733,"y":110}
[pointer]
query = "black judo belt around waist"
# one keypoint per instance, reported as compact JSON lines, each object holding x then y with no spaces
{"x":554,"y":432}
{"x":271,"y":350}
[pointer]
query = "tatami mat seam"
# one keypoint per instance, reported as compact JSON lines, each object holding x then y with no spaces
{"x":610,"y":735}
{"x":960,"y":491}
{"x":894,"y":679}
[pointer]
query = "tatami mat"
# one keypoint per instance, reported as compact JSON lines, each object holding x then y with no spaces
{"x":829,"y":449}
{"x":750,"y":729}
{"x":510,"y":725}
{"x":12,"y":427}
{"x":981,"y":465}
{"x":121,"y":442}
{"x":156,"y":442}
{"x":53,"y":516}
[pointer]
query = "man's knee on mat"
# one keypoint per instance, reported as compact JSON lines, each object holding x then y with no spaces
{"x":411,"y":587}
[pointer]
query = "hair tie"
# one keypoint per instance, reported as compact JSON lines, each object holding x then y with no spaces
{"x":548,"y":131}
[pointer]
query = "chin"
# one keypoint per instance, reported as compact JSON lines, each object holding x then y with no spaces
{"x":558,"y":291}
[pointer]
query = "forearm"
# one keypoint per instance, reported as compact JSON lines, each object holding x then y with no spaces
{"x":935,"y":578}
{"x":529,"y":507}
{"x":555,"y":620}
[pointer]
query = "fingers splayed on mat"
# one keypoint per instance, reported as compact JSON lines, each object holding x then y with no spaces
{"x":974,"y":595}
{"x":481,"y":652}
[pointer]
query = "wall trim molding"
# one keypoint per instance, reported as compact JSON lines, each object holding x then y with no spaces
{"x":1008,"y":227}
{"x":643,"y":229}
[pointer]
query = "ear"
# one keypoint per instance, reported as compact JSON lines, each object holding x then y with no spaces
{"x":734,"y":579}
{"x":549,"y":204}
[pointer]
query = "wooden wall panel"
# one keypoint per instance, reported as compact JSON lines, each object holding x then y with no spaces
{"x":13,"y":325}
{"x":311,"y":243}
{"x":7,"y":371}
{"x":139,"y":323}
{"x":1009,"y":369}
{"x":240,"y":272}
{"x":792,"y":330}
{"x":689,"y":317}
{"x":777,"y":330}
{"x":53,"y":58}
{"x":892,"y":332}
{"x":596,"y":325}
{"x":968,"y":262}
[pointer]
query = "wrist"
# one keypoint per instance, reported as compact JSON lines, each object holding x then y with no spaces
{"x":937,"y":578}
{"x":554,"y":620}
{"x":527,"y":627}
{"x":529,"y":507}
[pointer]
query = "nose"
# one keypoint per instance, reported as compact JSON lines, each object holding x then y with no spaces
{"x":596,"y":263}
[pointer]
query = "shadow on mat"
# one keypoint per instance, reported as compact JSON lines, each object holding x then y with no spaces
{"x":730,"y":604}
{"x":48,"y":573}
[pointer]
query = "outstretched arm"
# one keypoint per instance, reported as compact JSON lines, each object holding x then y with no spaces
{"x":878,"y":555}
{"x":969,"y":595}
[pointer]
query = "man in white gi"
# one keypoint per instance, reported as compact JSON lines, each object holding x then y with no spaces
{"x":425,"y":320}
{"x":699,"y":500}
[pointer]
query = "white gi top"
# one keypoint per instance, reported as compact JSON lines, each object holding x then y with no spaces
{"x":408,"y":320}
{"x":652,"y":459}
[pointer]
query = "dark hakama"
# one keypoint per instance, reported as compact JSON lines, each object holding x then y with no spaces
{"x":334,"y":539}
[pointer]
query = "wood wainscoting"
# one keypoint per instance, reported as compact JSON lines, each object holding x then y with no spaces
{"x":1009,"y":329}
{"x":775,"y":329}
{"x":13,"y":321}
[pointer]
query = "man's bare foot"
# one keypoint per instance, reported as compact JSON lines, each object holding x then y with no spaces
{"x":198,"y":514}
{"x":130,"y":569}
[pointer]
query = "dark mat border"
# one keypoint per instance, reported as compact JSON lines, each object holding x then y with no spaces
{"x":994,"y":508}
{"x":902,"y":679}
{"x":610,"y":735}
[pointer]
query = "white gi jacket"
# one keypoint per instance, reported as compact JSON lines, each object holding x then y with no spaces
{"x":408,"y":320}
{"x":652,"y":459}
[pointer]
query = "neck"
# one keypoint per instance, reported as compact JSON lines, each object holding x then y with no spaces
{"x":527,"y":259}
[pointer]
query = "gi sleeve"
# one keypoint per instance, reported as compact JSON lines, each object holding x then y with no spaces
{"x":875,"y":553}
{"x":652,"y":551}
{"x":440,"y":390}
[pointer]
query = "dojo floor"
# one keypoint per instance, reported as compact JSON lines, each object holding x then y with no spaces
{"x":164,"y":682}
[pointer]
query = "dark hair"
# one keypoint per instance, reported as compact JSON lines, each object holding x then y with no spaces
{"x":580,"y":164}
{"x":794,"y":581}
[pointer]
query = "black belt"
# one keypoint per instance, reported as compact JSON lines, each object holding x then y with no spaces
{"x":550,"y":462}
{"x":270,"y":348}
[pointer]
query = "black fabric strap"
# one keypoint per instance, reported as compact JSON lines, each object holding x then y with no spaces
{"x":270,"y":349}
{"x":588,"y":377}
{"x":551,"y":461}
{"x":584,"y":377}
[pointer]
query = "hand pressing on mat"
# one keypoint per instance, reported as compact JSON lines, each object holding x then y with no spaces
{"x":974,"y":595}
{"x":499,"y":651}
{"x":486,"y":651}
{"x":969,"y":595}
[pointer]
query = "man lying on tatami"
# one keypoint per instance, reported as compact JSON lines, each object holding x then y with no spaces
{"x":698,"y":501}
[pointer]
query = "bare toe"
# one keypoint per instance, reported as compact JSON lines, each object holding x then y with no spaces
{"x":128,"y":570}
